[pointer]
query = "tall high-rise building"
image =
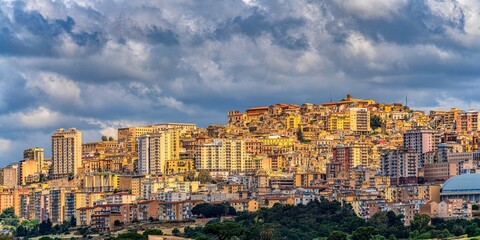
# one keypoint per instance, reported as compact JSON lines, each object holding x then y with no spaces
{"x":400,"y":165}
{"x":28,"y":170}
{"x":66,"y":152}
{"x":36,"y":154}
{"x":11,"y":175}
{"x":155,"y":149}
{"x":467,"y":122}
{"x":420,"y":141}
{"x":359,"y":119}
{"x":346,"y":158}
{"x":221,"y":155}
{"x":127,"y":137}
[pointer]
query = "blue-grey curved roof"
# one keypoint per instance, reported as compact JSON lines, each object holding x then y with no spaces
{"x":462,"y":183}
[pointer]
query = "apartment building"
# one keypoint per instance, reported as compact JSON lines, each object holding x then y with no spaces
{"x":66,"y":152}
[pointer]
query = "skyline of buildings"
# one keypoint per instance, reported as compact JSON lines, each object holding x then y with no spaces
{"x":371,"y":155}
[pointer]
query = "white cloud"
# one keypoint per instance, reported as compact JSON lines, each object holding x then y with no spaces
{"x":5,"y":145}
{"x":36,"y":118}
{"x":54,"y":86}
{"x":109,"y":128}
{"x":446,"y":102}
{"x":369,"y":9}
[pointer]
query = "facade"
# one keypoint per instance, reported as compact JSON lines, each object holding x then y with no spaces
{"x":11,"y":175}
{"x":454,"y":208}
{"x":221,"y":155}
{"x":440,"y":171}
{"x":179,"y":166}
{"x":29,"y":171}
{"x":66,"y":152}
{"x":36,"y":154}
{"x":154,"y":150}
{"x":420,"y":141}
{"x":400,"y":165}
{"x":467,"y":122}
{"x":359,"y":120}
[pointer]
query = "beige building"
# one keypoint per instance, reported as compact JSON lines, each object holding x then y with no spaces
{"x":66,"y":152}
{"x":154,"y":150}
{"x":10,"y":175}
{"x":29,"y":170}
{"x":36,"y":154}
{"x":132,"y":133}
{"x":440,"y":171}
{"x":221,"y":155}
{"x":359,"y":119}
{"x":454,"y":208}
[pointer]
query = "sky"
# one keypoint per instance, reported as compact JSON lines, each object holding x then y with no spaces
{"x":99,"y":65}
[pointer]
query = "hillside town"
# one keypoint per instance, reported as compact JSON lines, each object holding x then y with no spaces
{"x":374,"y":156}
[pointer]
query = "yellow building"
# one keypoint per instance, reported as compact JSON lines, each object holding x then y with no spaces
{"x":242,"y":205}
{"x":179,"y":166}
{"x":87,"y":199}
{"x":136,"y":181}
{"x":221,"y":155}
{"x":36,"y":154}
{"x":100,"y":182}
{"x":337,"y":122}
{"x":233,"y":188}
{"x":270,"y":201}
{"x":292,"y":121}
{"x":66,"y":152}
{"x":157,"y":148}
{"x":29,"y":168}
{"x":359,"y":120}
{"x":277,"y":141}
{"x":132,"y":133}
{"x":100,"y":147}
{"x":6,"y":201}
{"x":127,"y":137}
{"x":305,"y":179}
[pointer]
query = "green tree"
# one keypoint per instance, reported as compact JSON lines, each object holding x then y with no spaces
{"x":363,"y":233}
{"x":457,"y":230}
{"x":131,"y":236}
{"x":152,"y":231}
{"x":267,"y":233}
{"x":375,"y":122}
{"x":73,"y":221}
{"x":104,"y":138}
{"x":46,"y":238}
{"x":45,"y":227}
{"x":225,"y":230}
{"x":110,"y":139}
{"x":338,"y":235}
{"x":204,"y":176}
{"x":8,"y":217}
{"x":420,"y":222}
{"x":300,"y":135}
{"x":190,"y":175}
{"x":472,"y":230}
{"x":176,"y":232}
{"x":117,"y":223}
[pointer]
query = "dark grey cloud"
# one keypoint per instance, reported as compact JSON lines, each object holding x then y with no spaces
{"x":98,"y":65}
{"x":258,"y":24}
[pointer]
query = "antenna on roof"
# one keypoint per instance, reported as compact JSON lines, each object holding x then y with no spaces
{"x":406,"y":101}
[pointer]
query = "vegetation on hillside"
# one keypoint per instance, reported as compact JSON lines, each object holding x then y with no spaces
{"x":328,"y":221}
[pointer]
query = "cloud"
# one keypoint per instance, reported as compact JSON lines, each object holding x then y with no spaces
{"x":54,"y":86}
{"x":35,"y":118}
{"x":5,"y":146}
{"x":98,"y":65}
{"x":368,"y":9}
